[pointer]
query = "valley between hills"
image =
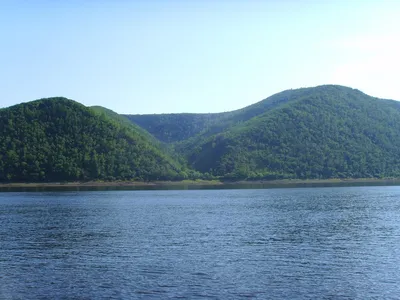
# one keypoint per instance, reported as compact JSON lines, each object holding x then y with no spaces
{"x":326,"y":133}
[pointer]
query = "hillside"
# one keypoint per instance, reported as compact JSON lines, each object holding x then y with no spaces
{"x":125,"y":122}
{"x":58,"y":139}
{"x":323,"y":132}
{"x":172,"y":128}
{"x":310,"y":133}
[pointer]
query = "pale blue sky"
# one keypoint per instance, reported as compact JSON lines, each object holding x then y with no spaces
{"x":194,"y":56}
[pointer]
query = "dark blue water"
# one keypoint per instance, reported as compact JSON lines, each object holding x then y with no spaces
{"x":321,"y":243}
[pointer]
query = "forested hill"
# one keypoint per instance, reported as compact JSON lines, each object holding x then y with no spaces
{"x":171,"y":128}
{"x":323,"y":132}
{"x":61,"y":140}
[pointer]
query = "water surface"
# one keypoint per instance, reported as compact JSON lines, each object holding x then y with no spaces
{"x":295,"y":243}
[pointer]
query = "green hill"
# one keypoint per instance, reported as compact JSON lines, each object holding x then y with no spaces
{"x":323,"y":132}
{"x":310,"y":133}
{"x":58,"y":139}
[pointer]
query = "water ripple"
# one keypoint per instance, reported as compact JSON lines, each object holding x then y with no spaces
{"x":323,"y":243}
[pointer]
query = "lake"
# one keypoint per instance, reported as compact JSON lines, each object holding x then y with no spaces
{"x":292,"y":243}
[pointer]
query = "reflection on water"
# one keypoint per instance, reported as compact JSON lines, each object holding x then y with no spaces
{"x":300,"y":243}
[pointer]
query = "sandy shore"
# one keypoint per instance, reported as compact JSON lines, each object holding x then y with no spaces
{"x":202,"y":183}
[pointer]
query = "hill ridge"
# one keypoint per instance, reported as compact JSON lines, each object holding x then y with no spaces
{"x":328,"y":131}
{"x":197,"y":123}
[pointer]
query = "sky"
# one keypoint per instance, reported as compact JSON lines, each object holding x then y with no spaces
{"x":174,"y":56}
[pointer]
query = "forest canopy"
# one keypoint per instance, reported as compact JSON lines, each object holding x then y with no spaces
{"x":61,"y":140}
{"x":327,"y":131}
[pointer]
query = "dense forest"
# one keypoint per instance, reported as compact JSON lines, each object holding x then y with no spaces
{"x":329,"y":132}
{"x":60,"y":140}
{"x":323,"y":132}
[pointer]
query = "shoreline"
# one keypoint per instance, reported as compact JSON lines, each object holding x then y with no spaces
{"x":211,"y":183}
